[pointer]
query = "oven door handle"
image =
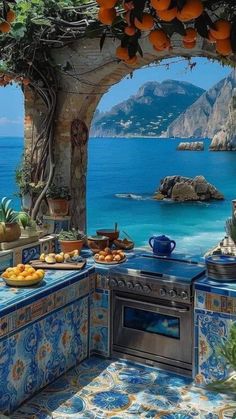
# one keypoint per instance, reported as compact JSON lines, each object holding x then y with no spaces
{"x":176,"y":309}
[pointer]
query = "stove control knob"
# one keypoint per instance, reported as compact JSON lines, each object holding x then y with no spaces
{"x":172,"y":293}
{"x":162,"y":292}
{"x":130,"y":285}
{"x":147,"y":289}
{"x":184,"y":295}
{"x":113,"y":283}
{"x":138,"y":287}
{"x":121,"y":284}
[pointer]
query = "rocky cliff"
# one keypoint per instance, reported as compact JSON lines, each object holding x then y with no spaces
{"x":208,"y":114}
{"x":191,"y":146}
{"x":149,"y":112}
{"x":181,"y":189}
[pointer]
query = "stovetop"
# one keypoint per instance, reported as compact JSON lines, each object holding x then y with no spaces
{"x":171,"y":269}
{"x":165,"y":278}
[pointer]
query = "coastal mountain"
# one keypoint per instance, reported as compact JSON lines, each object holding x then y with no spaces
{"x":205,"y":117}
{"x":148,"y":113}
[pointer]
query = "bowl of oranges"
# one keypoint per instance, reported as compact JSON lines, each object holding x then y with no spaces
{"x":109,"y":256}
{"x":22,"y":275}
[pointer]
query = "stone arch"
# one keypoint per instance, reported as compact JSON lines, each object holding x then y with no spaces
{"x":87,"y":74}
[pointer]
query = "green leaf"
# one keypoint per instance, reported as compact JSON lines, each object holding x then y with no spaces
{"x":41,"y":21}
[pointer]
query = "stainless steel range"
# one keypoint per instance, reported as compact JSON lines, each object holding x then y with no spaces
{"x":152,"y":311}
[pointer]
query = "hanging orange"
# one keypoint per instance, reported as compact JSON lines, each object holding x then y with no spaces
{"x":158,"y":38}
{"x":191,"y":35}
{"x":5,"y":27}
{"x":106,"y":16}
{"x":11,"y":16}
{"x":222,"y":29}
{"x":132,"y":61}
{"x":167,"y":15}
{"x":191,"y":10}
{"x":223,"y":46}
{"x":130,"y":30}
{"x":189,"y":45}
{"x":160,"y":4}
{"x":107,"y":4}
{"x":122,"y":53}
{"x":146,"y":24}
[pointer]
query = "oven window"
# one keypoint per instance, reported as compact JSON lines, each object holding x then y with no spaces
{"x":148,"y":321}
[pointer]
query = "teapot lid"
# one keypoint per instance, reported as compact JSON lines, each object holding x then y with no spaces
{"x":163,"y":238}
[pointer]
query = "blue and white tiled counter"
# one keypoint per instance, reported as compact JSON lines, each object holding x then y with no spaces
{"x":214,"y":314}
{"x":44,"y":331}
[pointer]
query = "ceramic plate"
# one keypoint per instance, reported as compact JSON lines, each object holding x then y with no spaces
{"x":22,"y":282}
{"x":114,"y":262}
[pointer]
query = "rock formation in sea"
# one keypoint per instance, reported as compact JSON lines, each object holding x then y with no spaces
{"x":191,"y":146}
{"x":208,"y":114}
{"x":181,"y":189}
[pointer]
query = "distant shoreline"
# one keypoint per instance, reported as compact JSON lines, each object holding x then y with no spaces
{"x":150,"y":137}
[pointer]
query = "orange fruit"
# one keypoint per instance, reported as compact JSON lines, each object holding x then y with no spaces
{"x":31,"y":270}
{"x":11,"y":16}
{"x":167,"y":15}
{"x":132,"y":61}
{"x":106,"y":4}
{"x":223,"y":46}
{"x":35,"y":276}
{"x":191,"y":35}
{"x":160,"y":4}
{"x":20,"y":278}
{"x":211,"y":38}
{"x":21,"y":266}
{"x":5,"y":27}
{"x":122,"y":53}
{"x":24,"y":274}
{"x":158,"y":38}
{"x":106,"y":16}
{"x":146,"y":24}
{"x":5,"y":275}
{"x":29,"y":277}
{"x":130,"y":30}
{"x":40,"y":273}
{"x":189,"y":45}
{"x":27,"y":266}
{"x":191,"y":10}
{"x":222,"y":29}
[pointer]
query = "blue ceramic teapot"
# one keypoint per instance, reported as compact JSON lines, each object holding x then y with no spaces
{"x":162,"y":245}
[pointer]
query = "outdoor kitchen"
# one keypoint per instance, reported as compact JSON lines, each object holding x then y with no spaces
{"x":151,"y":306}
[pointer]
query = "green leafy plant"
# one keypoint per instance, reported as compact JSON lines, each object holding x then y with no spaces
{"x":26,"y":221}
{"x":7,"y":214}
{"x":230,"y":227}
{"x":71,"y":235}
{"x":58,"y":192}
{"x":228,"y":351}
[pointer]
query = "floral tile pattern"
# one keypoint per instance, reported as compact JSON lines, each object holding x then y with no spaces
{"x":215,"y":302}
{"x":118,"y":389}
{"x":211,"y":330}
{"x":41,"y":352}
{"x":99,"y":322}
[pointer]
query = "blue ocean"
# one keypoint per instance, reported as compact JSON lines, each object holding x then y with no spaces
{"x":124,"y":173}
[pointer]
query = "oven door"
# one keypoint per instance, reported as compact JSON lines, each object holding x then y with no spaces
{"x":155,"y":328}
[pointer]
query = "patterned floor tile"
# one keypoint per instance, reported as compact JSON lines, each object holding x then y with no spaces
{"x":118,"y":389}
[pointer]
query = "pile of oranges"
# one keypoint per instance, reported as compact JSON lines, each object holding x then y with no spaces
{"x":23,"y":272}
{"x":6,"y":79}
{"x":5,"y":26}
{"x":162,"y":11}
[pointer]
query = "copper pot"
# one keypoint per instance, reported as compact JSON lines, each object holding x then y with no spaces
{"x":97,"y":243}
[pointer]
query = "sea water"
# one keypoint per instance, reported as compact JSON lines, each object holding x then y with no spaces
{"x":124,"y":173}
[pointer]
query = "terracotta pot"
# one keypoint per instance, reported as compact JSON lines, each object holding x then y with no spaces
{"x":68,"y":246}
{"x":58,"y":207}
{"x":9,"y":232}
{"x":111,"y":234}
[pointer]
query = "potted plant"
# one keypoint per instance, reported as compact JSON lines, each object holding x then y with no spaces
{"x":9,"y":227}
{"x":27,"y":225}
{"x":58,"y":198}
{"x":71,"y":240}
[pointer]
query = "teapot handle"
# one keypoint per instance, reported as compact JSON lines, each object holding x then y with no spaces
{"x":150,"y":241}
{"x":173,"y":244}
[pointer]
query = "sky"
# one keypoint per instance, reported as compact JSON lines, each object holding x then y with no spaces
{"x":205,"y":74}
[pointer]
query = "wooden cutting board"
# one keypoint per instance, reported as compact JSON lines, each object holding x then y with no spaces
{"x":66,"y":266}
